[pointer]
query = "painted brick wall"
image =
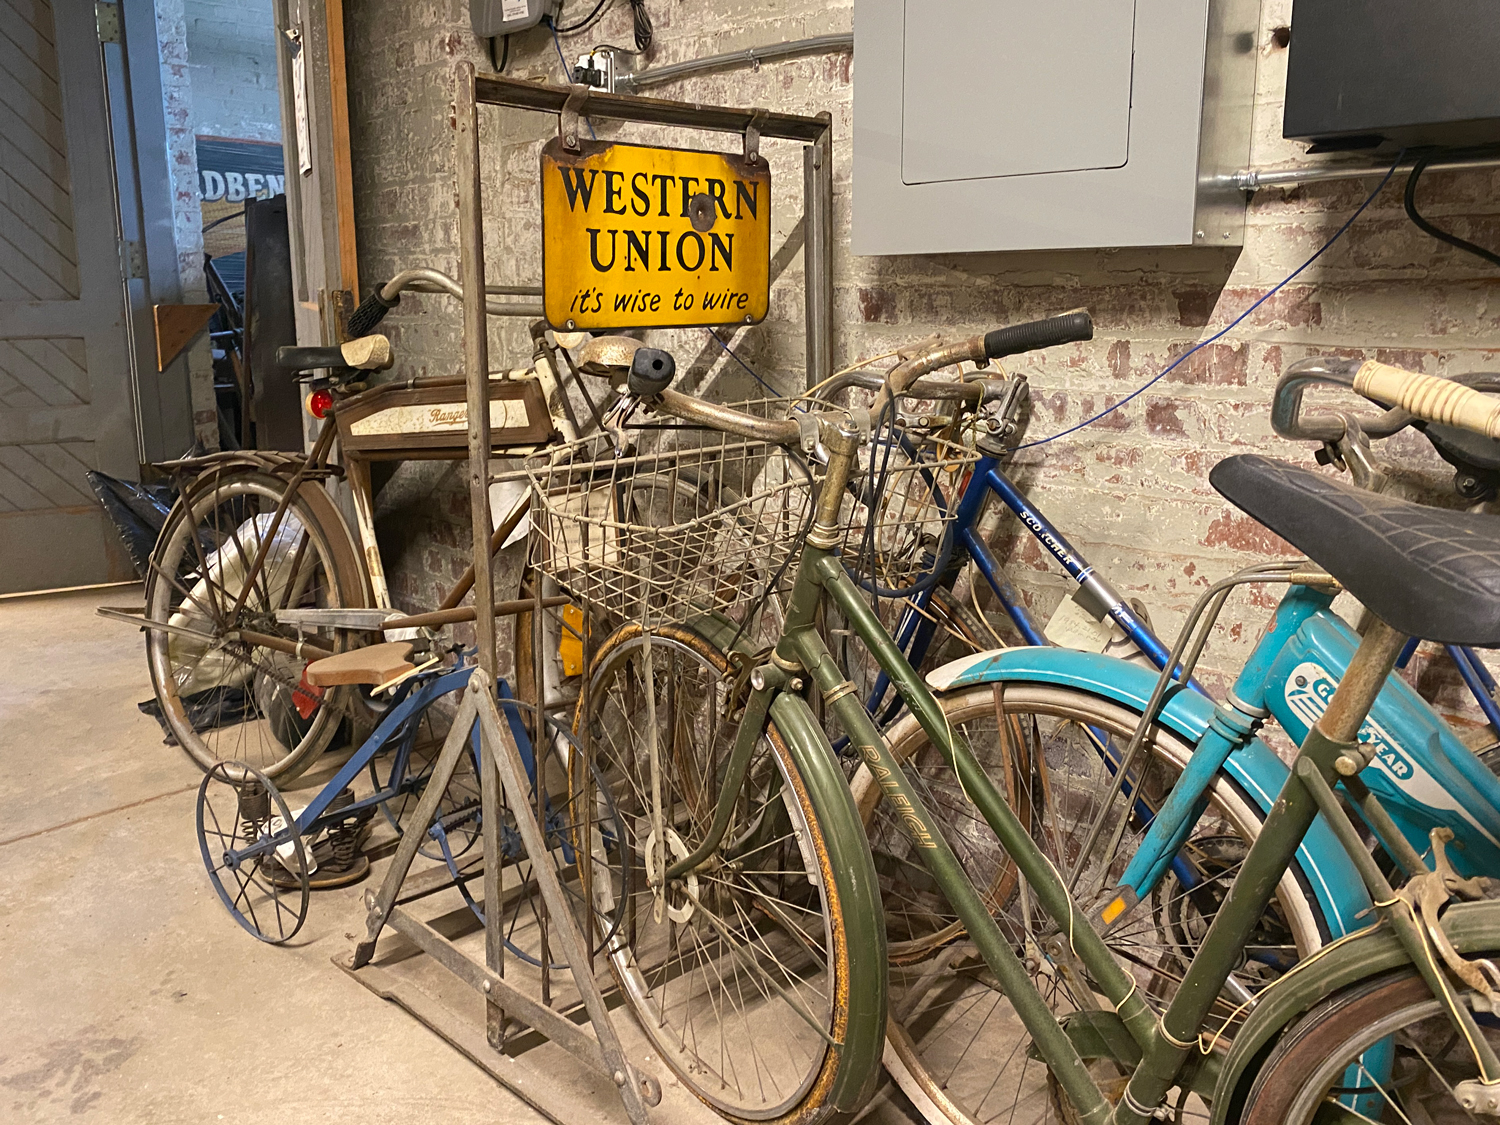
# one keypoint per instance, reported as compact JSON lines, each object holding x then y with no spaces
{"x":177,"y":106}
{"x":232,"y":61}
{"x":1132,"y":491}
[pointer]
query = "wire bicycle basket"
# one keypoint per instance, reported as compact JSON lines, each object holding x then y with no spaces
{"x":901,"y":501}
{"x":668,"y":535}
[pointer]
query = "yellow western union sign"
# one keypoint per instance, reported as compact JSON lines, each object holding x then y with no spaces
{"x":636,"y":237}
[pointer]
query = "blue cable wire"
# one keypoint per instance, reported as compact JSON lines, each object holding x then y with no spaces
{"x":715,"y":336}
{"x":1225,"y":330}
{"x":567,"y":71}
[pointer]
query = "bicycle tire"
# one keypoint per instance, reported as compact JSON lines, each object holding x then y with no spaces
{"x":211,"y":534}
{"x":922,"y":1050}
{"x":804,"y":1090}
{"x":1316,"y":1058}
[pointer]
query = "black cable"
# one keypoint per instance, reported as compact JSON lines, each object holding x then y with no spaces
{"x":1426,"y":227}
{"x":504,"y":54}
{"x":794,"y":457}
{"x":643,"y":29}
{"x":583,"y":23}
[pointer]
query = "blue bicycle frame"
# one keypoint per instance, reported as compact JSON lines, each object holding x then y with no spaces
{"x":915,"y":631}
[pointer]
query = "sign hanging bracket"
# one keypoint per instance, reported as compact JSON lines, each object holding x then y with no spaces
{"x":567,"y":117}
{"x":752,"y":135}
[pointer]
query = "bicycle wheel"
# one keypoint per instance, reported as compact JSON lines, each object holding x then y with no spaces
{"x":406,"y":769}
{"x":740,"y":973}
{"x":1381,"y":1050}
{"x":221,"y":695}
{"x":956,"y":1046}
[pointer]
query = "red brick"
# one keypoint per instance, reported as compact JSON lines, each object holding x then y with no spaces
{"x":1241,"y":533}
{"x":1220,"y":364}
{"x":877,"y":305}
{"x":1162,"y":419}
{"x":1195,"y":306}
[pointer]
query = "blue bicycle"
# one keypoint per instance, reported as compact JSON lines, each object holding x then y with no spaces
{"x":264,"y":858}
{"x":943,"y":605}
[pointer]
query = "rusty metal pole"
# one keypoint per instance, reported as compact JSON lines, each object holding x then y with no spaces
{"x":476,"y":374}
{"x":817,"y":252}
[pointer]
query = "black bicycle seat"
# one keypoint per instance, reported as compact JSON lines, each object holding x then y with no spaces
{"x":1428,"y":572}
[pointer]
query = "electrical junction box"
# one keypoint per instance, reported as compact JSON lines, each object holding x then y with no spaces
{"x":984,"y":125}
{"x":502,"y":17}
{"x":1390,"y":74}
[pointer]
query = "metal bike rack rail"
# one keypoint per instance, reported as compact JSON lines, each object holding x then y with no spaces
{"x":502,"y":772}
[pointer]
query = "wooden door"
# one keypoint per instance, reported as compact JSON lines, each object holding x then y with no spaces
{"x":65,"y":399}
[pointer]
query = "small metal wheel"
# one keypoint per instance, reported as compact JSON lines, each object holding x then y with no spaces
{"x":237,"y":806}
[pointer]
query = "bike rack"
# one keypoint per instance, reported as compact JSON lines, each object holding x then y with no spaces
{"x":502,"y":771}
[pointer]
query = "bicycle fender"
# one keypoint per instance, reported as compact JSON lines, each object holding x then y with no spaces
{"x":864,"y":994}
{"x":1255,"y":767}
{"x":1473,"y":927}
{"x":1422,"y":773}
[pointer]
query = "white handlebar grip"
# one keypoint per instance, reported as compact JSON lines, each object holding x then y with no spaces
{"x":1437,"y":400}
{"x":368,"y":353}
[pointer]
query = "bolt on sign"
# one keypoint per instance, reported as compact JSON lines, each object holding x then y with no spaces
{"x":639,"y":237}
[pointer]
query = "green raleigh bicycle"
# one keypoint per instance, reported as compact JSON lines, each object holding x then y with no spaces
{"x":776,"y":938}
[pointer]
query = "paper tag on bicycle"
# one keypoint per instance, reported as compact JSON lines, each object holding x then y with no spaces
{"x":1074,"y":627}
{"x":286,"y":853}
{"x":640,"y":237}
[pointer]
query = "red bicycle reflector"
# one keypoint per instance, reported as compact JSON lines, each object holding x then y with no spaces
{"x":319,"y":403}
{"x":306,"y":697}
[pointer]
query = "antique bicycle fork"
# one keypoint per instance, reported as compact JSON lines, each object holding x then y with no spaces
{"x":1164,"y":1044}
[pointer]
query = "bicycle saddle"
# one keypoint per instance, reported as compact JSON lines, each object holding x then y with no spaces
{"x":374,"y":664}
{"x":1428,"y":572}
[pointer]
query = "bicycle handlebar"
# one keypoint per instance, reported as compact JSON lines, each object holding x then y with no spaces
{"x":1064,"y":329}
{"x":726,"y":419}
{"x":386,"y":296}
{"x":902,"y":379}
{"x":1453,"y":402}
{"x":367,"y":353}
{"x":1441,"y":401}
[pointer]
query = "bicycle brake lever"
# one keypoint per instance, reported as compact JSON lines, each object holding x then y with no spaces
{"x":1352,"y":451}
{"x":614,"y":420}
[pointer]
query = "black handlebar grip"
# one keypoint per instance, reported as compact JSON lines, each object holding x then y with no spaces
{"x":371,"y":311}
{"x":308,"y":359}
{"x":651,"y":372}
{"x":1039,"y":334}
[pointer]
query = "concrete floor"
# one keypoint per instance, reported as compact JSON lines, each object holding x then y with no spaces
{"x":128,"y":994}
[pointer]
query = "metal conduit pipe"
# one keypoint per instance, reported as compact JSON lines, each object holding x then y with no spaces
{"x":1253,"y":179}
{"x":751,"y":56}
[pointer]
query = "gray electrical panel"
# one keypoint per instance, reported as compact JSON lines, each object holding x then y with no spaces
{"x":502,"y":17}
{"x":984,"y":125}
